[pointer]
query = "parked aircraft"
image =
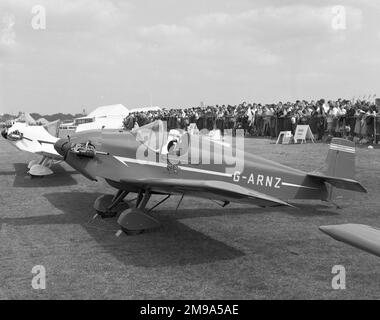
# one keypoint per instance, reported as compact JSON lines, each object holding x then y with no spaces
{"x":149,"y":161}
{"x":34,"y":139}
{"x":26,"y":136}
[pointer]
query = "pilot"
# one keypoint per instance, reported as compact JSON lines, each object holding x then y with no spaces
{"x":172,"y":163}
{"x":171,"y":145}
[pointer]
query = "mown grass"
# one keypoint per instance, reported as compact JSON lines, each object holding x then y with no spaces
{"x":201,"y":251}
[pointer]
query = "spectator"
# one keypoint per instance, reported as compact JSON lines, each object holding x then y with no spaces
{"x":352,"y":119}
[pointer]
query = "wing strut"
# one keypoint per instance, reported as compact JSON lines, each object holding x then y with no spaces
{"x":224,"y":204}
{"x":161,"y":201}
{"x":180,"y":200}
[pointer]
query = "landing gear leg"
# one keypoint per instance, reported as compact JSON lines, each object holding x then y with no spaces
{"x":137,"y":220}
{"x":108,"y":206}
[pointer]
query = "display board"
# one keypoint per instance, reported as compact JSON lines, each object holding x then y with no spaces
{"x":303,"y":133}
{"x":285,"y":137}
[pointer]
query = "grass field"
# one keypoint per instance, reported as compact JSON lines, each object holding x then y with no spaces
{"x":200,"y":252}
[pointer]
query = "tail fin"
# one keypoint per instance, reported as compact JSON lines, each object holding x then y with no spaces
{"x":340,"y":159}
{"x":53,"y":128}
{"x":340,"y":168}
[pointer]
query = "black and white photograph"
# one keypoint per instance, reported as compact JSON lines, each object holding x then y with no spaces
{"x":207,"y":153}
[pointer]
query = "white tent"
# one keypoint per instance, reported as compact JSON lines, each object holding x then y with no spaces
{"x":109,"y":117}
{"x":114,"y":110}
{"x":42,"y":121}
{"x":26,"y":118}
{"x":146,"y":109}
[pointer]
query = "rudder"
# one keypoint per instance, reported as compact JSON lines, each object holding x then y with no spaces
{"x":340,"y":161}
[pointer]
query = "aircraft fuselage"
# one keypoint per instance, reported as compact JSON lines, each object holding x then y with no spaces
{"x":122,"y":157}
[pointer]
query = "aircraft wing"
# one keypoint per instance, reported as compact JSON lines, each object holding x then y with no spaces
{"x":34,"y":139}
{"x":41,"y":147}
{"x":357,"y":235}
{"x":216,"y":190}
{"x":51,"y":155}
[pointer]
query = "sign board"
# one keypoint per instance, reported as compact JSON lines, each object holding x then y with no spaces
{"x":284,"y":137}
{"x":303,"y":133}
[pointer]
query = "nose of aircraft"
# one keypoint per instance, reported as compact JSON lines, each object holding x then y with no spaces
{"x":62,"y":146}
{"x":4,"y":133}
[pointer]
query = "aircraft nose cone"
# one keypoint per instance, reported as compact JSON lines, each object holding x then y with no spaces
{"x":4,"y":133}
{"x":62,"y":146}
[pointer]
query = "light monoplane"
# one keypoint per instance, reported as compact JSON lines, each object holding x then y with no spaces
{"x":37,"y":140}
{"x":150,"y":161}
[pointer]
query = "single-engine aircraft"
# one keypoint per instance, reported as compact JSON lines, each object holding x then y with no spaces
{"x":148,"y":161}
{"x":34,"y":139}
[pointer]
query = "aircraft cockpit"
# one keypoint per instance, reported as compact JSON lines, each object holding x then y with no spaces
{"x":156,"y":137}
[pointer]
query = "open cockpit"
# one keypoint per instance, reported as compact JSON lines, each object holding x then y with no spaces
{"x":156,"y":137}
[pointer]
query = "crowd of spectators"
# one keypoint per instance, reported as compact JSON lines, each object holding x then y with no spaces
{"x":342,"y":118}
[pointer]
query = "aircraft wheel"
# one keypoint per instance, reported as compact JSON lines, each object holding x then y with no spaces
{"x":135,"y":221}
{"x":101,"y":206}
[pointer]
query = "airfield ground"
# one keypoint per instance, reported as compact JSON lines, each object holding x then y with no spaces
{"x":201,"y":252}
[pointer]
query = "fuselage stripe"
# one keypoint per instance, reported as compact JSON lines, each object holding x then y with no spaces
{"x":341,"y":146}
{"x":159,"y":164}
{"x":338,"y":148}
{"x":206,"y":171}
{"x":296,"y":185}
{"x":344,"y":148}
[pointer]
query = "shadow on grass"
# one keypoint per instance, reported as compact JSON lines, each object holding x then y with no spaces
{"x":60,"y":177}
{"x":312,"y":210}
{"x":172,"y":244}
{"x":7,"y":173}
{"x":300,"y":210}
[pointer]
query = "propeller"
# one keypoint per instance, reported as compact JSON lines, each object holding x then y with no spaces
{"x":4,"y":133}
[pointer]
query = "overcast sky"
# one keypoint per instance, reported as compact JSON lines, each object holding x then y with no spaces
{"x":177,"y":53}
